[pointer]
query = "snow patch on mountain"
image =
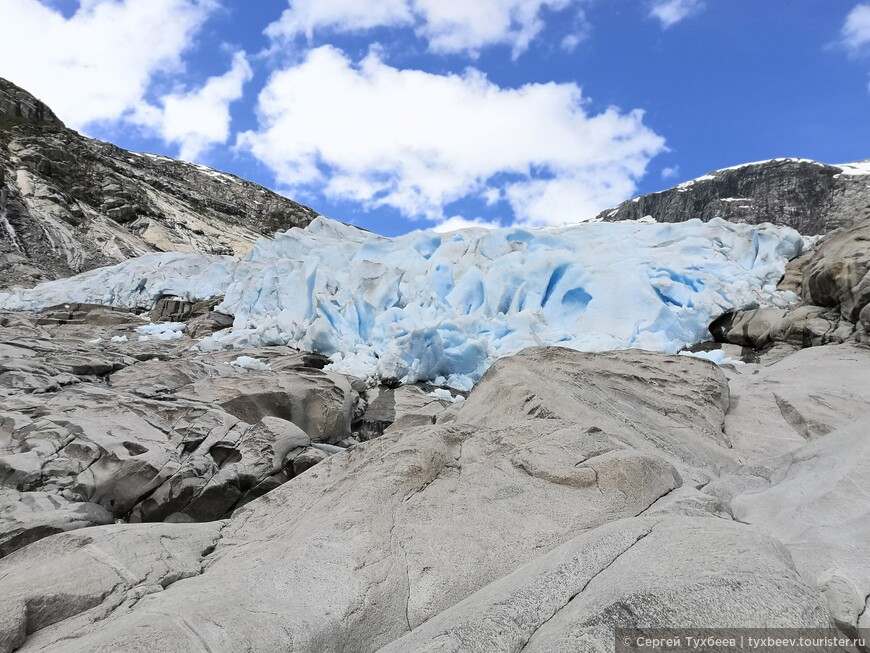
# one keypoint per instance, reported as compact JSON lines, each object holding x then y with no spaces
{"x":857,"y":169}
{"x":443,"y":307}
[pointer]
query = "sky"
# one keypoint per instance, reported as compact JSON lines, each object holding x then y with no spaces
{"x":397,"y":115}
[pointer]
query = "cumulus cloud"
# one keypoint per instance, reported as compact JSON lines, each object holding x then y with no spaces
{"x":98,"y":64}
{"x":671,"y":172}
{"x":416,"y":141}
{"x":856,"y":28}
{"x":198,"y":119}
{"x":307,"y":16}
{"x":449,"y":26}
{"x":671,"y":12}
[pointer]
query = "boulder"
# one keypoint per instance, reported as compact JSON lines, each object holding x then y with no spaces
{"x":811,"y":326}
{"x":171,"y":309}
{"x":792,"y":280}
{"x":838,"y":275}
{"x":77,"y":579}
{"x":747,"y":328}
{"x":320,"y":403}
{"x":136,"y":458}
{"x":396,"y":408}
{"x":799,"y":425}
{"x":307,"y":459}
{"x":76,"y":313}
{"x":226,"y":470}
{"x":207,"y":324}
{"x":638,"y":398}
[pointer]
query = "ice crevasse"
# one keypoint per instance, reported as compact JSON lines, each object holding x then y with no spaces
{"x":444,"y":307}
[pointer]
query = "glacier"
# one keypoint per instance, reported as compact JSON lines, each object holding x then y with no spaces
{"x":442,"y":307}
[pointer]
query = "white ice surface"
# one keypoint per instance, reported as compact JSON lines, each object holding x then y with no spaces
{"x":429,"y":306}
{"x":163,"y":330}
{"x":137,"y":282}
{"x":715,"y":356}
{"x":446,"y":395}
{"x":250,"y":363}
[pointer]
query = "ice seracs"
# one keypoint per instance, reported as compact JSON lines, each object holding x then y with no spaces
{"x":444,"y":307}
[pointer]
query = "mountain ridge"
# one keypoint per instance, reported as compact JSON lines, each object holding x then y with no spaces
{"x":69,"y":203}
{"x":814,"y":198}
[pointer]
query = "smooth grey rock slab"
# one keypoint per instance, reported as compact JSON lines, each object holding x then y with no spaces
{"x":776,"y":408}
{"x":672,"y":406}
{"x":817,"y":502}
{"x":646,"y":572}
{"x":30,"y":516}
{"x":76,"y":580}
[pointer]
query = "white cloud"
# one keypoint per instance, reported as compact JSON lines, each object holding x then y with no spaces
{"x":448,"y":25}
{"x":198,"y":119}
{"x":570,"y":42}
{"x":307,"y":16}
{"x":458,"y":222}
{"x":416,"y":141}
{"x":460,"y":25}
{"x":670,"y":172}
{"x":98,"y":64}
{"x":856,"y":28}
{"x":671,"y":12}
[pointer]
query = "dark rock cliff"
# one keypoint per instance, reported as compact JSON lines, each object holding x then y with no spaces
{"x":70,"y":203}
{"x":814,"y":198}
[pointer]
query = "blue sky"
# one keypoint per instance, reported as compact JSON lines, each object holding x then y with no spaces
{"x":406,"y":114}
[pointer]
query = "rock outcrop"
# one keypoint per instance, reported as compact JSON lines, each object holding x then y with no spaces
{"x":17,"y":105}
{"x":70,"y":203}
{"x":570,"y":494}
{"x":814,"y":198}
{"x":838,"y":274}
{"x":833,"y":283}
{"x":101,"y":423}
{"x":89,"y":433}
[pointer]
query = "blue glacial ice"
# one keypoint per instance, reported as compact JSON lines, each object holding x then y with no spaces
{"x":443,"y":307}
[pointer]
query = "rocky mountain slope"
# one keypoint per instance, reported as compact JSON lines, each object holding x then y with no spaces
{"x":814,"y":198}
{"x":70,"y":203}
